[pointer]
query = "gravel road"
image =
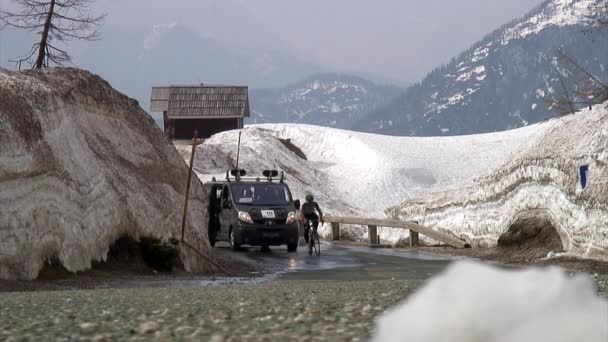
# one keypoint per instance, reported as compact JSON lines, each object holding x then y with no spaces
{"x":335,"y":297}
{"x":273,"y":311}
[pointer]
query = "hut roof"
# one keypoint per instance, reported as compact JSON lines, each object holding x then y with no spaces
{"x":201,"y":101}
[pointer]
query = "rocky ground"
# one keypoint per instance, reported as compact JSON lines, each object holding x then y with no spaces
{"x":315,"y":303}
{"x":272,"y":311}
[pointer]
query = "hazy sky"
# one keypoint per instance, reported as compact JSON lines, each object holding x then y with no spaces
{"x":403,"y":38}
{"x":395,"y":39}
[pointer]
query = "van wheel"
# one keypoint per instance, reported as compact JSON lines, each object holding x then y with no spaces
{"x":233,"y":244}
{"x":292,"y":247}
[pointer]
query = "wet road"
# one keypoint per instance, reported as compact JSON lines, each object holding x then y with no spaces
{"x":334,"y":297}
{"x":340,"y":263}
{"x":336,"y":263}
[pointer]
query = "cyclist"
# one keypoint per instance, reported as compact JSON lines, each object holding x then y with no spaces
{"x":309,"y":213}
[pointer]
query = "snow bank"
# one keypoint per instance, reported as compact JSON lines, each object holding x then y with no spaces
{"x":261,"y":149}
{"x":80,"y":166}
{"x":476,"y":302}
{"x":542,"y":179}
{"x":377,"y":171}
{"x":354,"y":173}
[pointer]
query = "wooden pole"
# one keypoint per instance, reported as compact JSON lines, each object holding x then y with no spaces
{"x":373,"y":234}
{"x":238,"y":151}
{"x":413,"y":238}
{"x":335,"y":230}
{"x":188,"y":185}
{"x":185,"y":243}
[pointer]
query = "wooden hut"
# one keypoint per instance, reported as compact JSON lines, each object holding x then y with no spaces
{"x":208,"y":109}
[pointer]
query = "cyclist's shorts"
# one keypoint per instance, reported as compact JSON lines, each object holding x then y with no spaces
{"x":312,"y":217}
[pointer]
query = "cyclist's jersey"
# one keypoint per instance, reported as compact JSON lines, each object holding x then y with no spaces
{"x":308,"y":210}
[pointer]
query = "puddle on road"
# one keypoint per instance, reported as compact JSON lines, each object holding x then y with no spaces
{"x":403,"y":254}
{"x":280,"y":262}
{"x":275,"y":264}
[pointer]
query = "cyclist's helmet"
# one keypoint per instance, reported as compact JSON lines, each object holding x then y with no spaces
{"x":309,"y":198}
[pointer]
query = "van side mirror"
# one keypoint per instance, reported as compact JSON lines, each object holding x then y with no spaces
{"x":296,"y":203}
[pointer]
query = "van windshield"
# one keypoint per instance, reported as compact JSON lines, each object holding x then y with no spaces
{"x":265,"y":194}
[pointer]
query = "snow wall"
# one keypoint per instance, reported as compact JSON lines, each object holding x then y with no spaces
{"x":544,"y":178}
{"x":80,"y":166}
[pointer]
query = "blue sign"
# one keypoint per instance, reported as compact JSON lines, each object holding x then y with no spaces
{"x":583,"y":173}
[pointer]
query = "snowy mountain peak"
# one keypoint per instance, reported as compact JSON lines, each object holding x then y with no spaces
{"x":504,"y":81}
{"x":330,"y":95}
{"x":332,"y":100}
{"x":554,"y":13}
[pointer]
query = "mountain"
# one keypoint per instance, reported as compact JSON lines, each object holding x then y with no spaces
{"x":173,"y":53}
{"x":228,"y":21}
{"x":133,"y":60}
{"x":331,"y":100}
{"x":503,"y":81}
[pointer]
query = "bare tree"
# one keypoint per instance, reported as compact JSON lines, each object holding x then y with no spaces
{"x":579,"y":87}
{"x":57,"y":22}
{"x":598,"y":15}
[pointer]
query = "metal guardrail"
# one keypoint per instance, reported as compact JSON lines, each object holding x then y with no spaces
{"x":373,"y":224}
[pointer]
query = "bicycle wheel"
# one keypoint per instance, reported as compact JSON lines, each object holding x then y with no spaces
{"x":310,"y":243}
{"x":310,"y":239}
{"x":317,"y":244}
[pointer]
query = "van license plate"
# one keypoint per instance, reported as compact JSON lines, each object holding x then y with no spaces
{"x":268,"y":214}
{"x":270,"y":235}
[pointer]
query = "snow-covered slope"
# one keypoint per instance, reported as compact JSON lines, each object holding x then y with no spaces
{"x":374,"y":171}
{"x":353,"y":173}
{"x":504,"y":81}
{"x":330,"y":100}
{"x":543,"y":179}
{"x":556,"y":13}
{"x":82,"y":165}
{"x":473,"y":186}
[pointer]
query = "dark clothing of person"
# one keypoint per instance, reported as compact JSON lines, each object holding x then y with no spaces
{"x":309,"y":208}
{"x":309,"y":212}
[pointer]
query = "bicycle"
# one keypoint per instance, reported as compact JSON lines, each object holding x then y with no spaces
{"x":313,"y":239}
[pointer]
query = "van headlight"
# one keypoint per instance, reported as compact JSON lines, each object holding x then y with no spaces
{"x":245,"y":217}
{"x":291,"y":217}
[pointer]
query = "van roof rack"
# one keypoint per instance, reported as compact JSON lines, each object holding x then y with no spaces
{"x":239,"y":175}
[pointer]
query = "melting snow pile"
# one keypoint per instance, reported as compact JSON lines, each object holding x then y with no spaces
{"x":543,"y":179}
{"x":80,"y":166}
{"x":354,"y":173}
{"x":476,"y":302}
